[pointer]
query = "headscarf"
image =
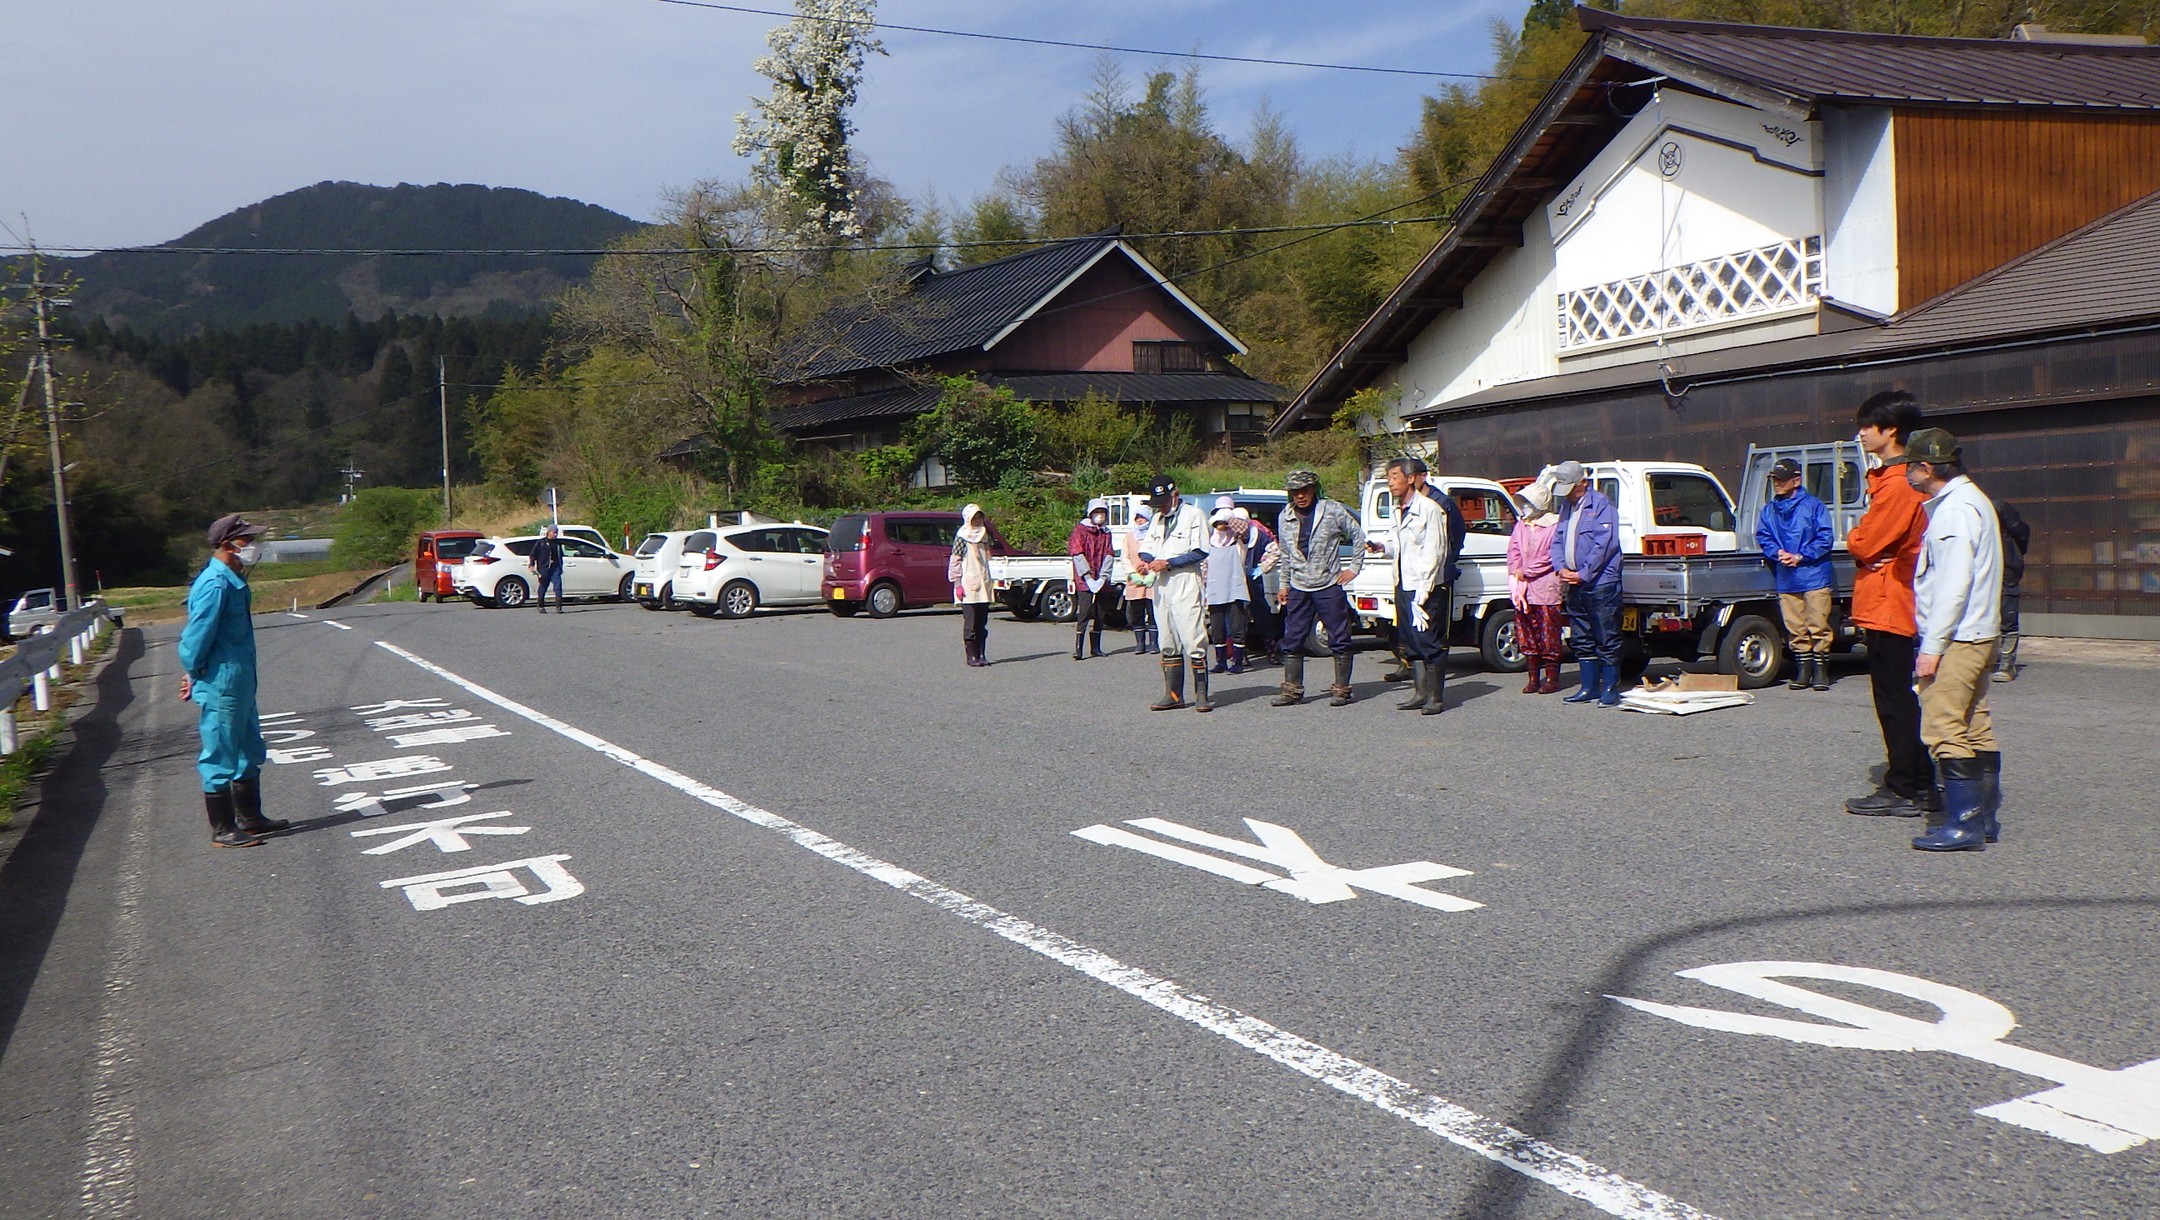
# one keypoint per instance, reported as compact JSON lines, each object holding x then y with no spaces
{"x":1087,"y":517}
{"x":969,"y":531}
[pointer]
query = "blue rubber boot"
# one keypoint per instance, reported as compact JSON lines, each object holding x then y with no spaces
{"x":1592,"y":681}
{"x":1609,"y":693}
{"x":1964,"y":789}
{"x":1991,"y":795}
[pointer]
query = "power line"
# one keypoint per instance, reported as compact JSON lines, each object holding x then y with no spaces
{"x":676,"y":251}
{"x":1096,"y":46}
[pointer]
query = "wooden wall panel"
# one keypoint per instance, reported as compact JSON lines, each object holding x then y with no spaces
{"x":1978,"y":188}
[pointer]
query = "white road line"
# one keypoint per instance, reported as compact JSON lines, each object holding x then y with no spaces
{"x":1495,"y":1141}
{"x":339,"y":626}
{"x":108,"y":1167}
{"x":294,"y":614}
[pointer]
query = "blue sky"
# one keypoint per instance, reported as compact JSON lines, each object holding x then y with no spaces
{"x":144,"y":118}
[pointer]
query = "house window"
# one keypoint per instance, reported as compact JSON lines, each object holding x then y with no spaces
{"x":1158,"y":356}
{"x":1246,"y":417}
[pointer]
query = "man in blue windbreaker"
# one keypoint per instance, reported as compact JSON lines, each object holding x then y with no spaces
{"x":1795,"y":536}
{"x":217,"y":662}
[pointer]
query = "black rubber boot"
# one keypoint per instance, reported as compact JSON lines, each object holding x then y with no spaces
{"x":1341,"y":693}
{"x":1405,"y":669}
{"x":1822,"y":671}
{"x":1079,"y":638}
{"x":247,"y":809}
{"x":1293,"y":679}
{"x":1095,"y":642}
{"x":1417,"y":688}
{"x":1991,"y":794}
{"x":1199,"y":686}
{"x":1435,"y":688}
{"x":2006,"y":666}
{"x":223,"y":832}
{"x":1173,"y":684}
{"x":1800,"y":679}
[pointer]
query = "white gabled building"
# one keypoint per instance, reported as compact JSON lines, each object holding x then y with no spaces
{"x":1712,"y":234}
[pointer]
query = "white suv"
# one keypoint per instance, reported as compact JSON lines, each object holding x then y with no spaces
{"x":497,"y":572}
{"x":653,"y":586}
{"x":732,"y":571}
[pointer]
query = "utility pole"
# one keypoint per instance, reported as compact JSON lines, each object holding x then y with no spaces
{"x":352,"y":476}
{"x":45,"y":342}
{"x":442,"y":400}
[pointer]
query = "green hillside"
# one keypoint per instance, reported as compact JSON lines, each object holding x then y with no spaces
{"x":184,"y":293}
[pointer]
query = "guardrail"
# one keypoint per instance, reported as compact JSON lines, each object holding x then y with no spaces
{"x":36,"y":663}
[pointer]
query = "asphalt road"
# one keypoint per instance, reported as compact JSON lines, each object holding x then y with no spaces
{"x":797,"y":925}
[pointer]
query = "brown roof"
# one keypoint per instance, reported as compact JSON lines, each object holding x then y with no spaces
{"x":1782,"y":69}
{"x":2096,"y":278}
{"x":1801,"y":68}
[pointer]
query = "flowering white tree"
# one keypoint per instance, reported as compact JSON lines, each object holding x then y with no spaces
{"x":799,"y":134}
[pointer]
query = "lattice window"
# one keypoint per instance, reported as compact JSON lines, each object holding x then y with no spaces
{"x":1759,"y":281}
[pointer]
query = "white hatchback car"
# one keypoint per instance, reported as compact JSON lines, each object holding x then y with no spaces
{"x":653,"y":587}
{"x":734,"y":570}
{"x":497,"y":574}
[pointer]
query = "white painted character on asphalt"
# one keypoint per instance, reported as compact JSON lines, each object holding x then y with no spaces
{"x":447,"y":834}
{"x":434,"y":891}
{"x":419,"y":720}
{"x":1311,"y":879}
{"x":278,"y":737}
{"x":2108,"y":1111}
{"x":381,"y":769}
{"x":296,"y":754}
{"x":447,"y":737}
{"x":401,"y":800}
{"x":395,"y":705}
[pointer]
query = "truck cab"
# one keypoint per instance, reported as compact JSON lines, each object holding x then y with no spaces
{"x":1480,"y":613}
{"x":1680,"y":506}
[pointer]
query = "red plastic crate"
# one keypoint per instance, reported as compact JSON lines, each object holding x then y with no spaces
{"x":1673,"y":544}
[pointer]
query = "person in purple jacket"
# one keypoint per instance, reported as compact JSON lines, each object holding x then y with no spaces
{"x":1796,"y":538}
{"x":1586,"y":553}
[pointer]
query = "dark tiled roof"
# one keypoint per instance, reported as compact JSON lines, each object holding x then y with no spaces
{"x":1165,"y":388}
{"x":2102,"y":275}
{"x":939,"y":313}
{"x":882,"y":404}
{"x":1805,"y":67}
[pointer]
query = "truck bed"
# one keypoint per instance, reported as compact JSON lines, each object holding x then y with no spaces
{"x":1687,"y":583}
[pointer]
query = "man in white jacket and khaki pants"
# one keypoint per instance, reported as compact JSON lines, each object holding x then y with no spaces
{"x":1957,"y":593}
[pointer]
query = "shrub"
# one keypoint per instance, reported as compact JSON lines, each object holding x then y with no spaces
{"x":981,"y":432}
{"x":379,"y":524}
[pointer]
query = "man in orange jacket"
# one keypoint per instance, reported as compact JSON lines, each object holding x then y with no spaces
{"x":1885,"y":546}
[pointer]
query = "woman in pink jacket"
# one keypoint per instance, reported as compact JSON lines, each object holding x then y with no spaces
{"x":1139,"y":589}
{"x":1535,"y":589}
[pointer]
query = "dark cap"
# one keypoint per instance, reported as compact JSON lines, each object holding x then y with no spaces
{"x":1785,"y":468}
{"x":1160,"y":489}
{"x":1931,"y":445}
{"x":1416,"y":465}
{"x":1300,"y":479}
{"x":232,"y":527}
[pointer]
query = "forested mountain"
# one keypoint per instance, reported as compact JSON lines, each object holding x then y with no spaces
{"x":178,"y":293}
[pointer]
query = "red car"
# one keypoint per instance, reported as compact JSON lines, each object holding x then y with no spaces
{"x":885,"y":562}
{"x":433,"y":554}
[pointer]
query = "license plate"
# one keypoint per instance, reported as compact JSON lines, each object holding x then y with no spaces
{"x":644,"y":591}
{"x":1630,"y":619}
{"x":836,"y":595}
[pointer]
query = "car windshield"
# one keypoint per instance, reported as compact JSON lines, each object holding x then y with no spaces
{"x":847,"y":534}
{"x":481,"y":547}
{"x":652,"y":545}
{"x":451,"y":550}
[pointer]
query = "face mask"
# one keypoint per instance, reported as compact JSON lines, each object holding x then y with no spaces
{"x":248,"y":555}
{"x":1100,"y":519}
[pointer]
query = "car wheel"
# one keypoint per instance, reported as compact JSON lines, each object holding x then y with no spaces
{"x":1057,"y":603}
{"x":738,"y":599}
{"x":511,"y":592}
{"x":884,"y":600}
{"x":844,"y":609}
{"x":1752,"y":650}
{"x":423,"y":595}
{"x":667,"y":597}
{"x":1501,"y":647}
{"x":622,"y":591}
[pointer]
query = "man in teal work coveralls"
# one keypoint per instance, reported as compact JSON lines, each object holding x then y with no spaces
{"x":217,"y":660}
